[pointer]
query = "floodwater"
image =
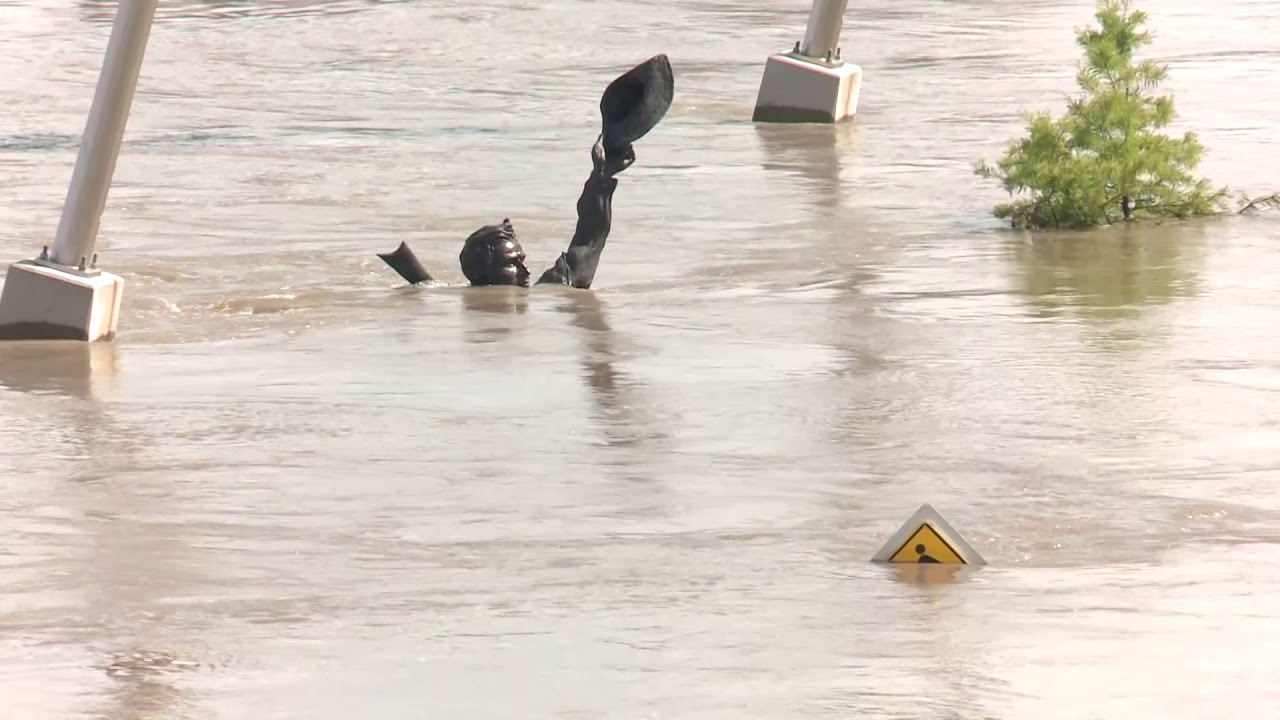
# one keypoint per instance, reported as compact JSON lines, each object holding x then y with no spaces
{"x":294,"y":488}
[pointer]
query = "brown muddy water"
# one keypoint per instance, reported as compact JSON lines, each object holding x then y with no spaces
{"x":293,"y":488}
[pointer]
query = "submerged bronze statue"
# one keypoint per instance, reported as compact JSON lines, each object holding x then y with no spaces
{"x":631,"y":106}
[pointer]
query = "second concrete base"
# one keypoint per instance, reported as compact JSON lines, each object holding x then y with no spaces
{"x":800,"y":89}
{"x":46,"y":303}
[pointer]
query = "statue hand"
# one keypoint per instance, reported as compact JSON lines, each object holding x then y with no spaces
{"x":615,"y":165}
{"x":610,"y":166}
{"x":597,"y":155}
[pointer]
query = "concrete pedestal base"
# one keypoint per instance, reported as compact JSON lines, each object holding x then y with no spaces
{"x":40,"y":302}
{"x":796,"y":88}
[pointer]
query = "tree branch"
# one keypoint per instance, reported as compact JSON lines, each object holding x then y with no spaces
{"x":1271,"y":201}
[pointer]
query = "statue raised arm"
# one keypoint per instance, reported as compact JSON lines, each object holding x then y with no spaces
{"x":631,"y":106}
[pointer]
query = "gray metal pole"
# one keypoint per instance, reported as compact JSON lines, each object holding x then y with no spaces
{"x":826,"y":19}
{"x":100,"y":146}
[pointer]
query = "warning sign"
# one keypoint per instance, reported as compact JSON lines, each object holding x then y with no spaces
{"x":927,"y":538}
{"x":926,"y":546}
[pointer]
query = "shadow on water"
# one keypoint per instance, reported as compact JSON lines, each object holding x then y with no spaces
{"x":624,"y":418}
{"x":483,"y":307}
{"x":500,"y":299}
{"x":918,"y":575}
{"x":63,"y":388}
{"x":1108,"y":274}
{"x":615,"y":411}
{"x":70,"y":369}
{"x":816,"y":152}
{"x":834,"y":232}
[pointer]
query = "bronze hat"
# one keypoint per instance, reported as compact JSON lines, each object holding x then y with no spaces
{"x":635,"y":102}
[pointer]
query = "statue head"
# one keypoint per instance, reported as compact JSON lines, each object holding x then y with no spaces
{"x":493,"y":256}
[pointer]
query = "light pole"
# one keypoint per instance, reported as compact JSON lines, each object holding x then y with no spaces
{"x":812,"y":83}
{"x":63,"y":294}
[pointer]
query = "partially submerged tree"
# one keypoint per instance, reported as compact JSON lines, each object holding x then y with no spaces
{"x":1105,"y":159}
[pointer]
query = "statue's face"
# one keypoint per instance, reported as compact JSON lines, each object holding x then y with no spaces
{"x":493,"y":256}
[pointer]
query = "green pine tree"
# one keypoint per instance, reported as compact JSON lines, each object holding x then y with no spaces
{"x":1105,"y":159}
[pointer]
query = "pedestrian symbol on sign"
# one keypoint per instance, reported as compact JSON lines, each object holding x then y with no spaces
{"x":924,"y":557}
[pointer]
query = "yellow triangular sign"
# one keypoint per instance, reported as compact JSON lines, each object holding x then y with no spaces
{"x":927,"y":538}
{"x":926,"y":546}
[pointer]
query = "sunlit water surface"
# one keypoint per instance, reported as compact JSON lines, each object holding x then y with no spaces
{"x":295,"y":488}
